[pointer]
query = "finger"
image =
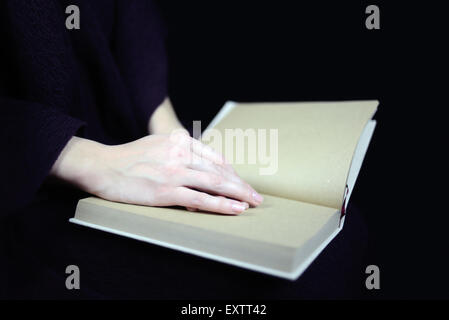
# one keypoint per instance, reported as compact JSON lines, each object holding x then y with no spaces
{"x":244,"y":203}
{"x":208,"y":153}
{"x":210,"y":167}
{"x":220,"y":185}
{"x":199,"y":148}
{"x":199,"y":152}
{"x":202,"y":201}
{"x":202,"y":164}
{"x":215,"y":163}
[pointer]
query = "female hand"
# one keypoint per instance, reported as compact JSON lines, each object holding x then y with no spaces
{"x":157,"y":170}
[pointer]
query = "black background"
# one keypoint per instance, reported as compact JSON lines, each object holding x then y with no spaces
{"x":321,"y":50}
{"x":298,"y":51}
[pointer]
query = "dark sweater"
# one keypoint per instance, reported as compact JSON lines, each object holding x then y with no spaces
{"x":102,"y":82}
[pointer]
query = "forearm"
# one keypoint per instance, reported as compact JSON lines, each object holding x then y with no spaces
{"x":164,"y":119}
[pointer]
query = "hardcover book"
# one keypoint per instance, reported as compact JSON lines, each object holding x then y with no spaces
{"x":303,"y":157}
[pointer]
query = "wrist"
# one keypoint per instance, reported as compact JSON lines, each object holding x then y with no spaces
{"x":79,"y":163}
{"x":164,"y":119}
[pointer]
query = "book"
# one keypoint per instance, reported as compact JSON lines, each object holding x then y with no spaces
{"x":304,"y":159}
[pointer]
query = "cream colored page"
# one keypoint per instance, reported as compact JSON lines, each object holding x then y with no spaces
{"x":316,"y":142}
{"x":277,"y":221}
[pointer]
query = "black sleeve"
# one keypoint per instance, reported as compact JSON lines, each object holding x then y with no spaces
{"x":139,"y":47}
{"x":31,"y":138}
{"x":35,"y":90}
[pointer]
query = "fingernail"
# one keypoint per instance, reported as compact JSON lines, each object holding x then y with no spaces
{"x":238,"y":208}
{"x":246,"y":205}
{"x":257,"y":197}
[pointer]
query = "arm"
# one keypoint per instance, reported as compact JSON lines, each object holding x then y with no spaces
{"x":164,"y":119}
{"x":157,"y":170}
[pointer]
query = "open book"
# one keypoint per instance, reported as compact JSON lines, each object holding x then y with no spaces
{"x":303,"y":158}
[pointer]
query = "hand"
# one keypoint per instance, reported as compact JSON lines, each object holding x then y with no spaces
{"x":157,"y":170}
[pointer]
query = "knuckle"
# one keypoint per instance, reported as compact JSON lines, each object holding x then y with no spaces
{"x":174,"y":174}
{"x":162,"y":191}
{"x":217,"y":168}
{"x":178,"y":152}
{"x":223,"y":202}
{"x":173,"y":148}
{"x":216,"y":181}
{"x":162,"y":195}
{"x":244,"y":192}
{"x":197,"y":201}
{"x":172,"y":170}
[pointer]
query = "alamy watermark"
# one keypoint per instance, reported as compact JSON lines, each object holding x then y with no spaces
{"x":73,"y":21}
{"x":73,"y":280}
{"x":373,"y":280}
{"x":372,"y":21}
{"x":244,"y":146}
